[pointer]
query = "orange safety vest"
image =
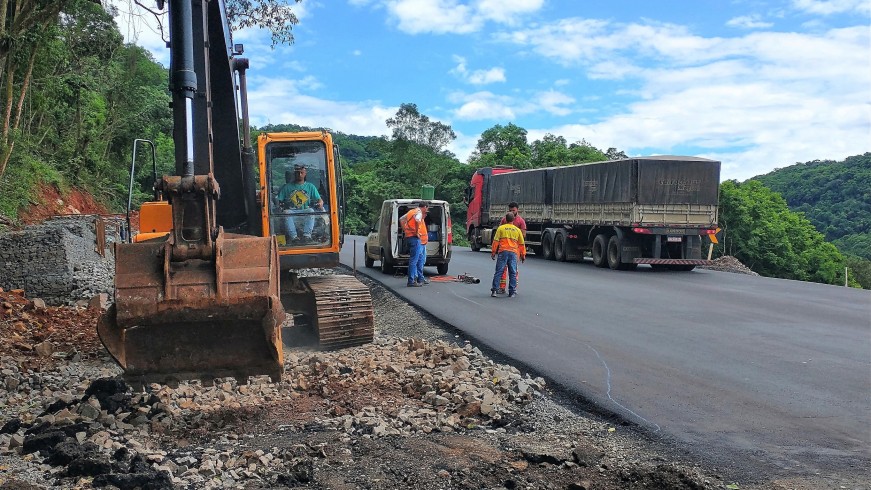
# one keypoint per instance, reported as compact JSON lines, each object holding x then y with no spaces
{"x":414,"y":228}
{"x":509,"y":238}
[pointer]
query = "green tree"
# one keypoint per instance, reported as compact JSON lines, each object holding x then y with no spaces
{"x":502,"y":145}
{"x":410,"y":126}
{"x":834,"y":195}
{"x":764,"y":234}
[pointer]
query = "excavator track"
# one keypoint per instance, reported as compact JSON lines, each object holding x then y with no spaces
{"x":343,"y":315}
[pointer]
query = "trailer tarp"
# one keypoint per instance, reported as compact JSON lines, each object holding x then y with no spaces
{"x":525,"y":187}
{"x":673,"y":181}
{"x":603,"y":182}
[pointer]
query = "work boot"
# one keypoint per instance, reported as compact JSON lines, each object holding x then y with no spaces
{"x":512,"y":294}
{"x":423,"y":281}
{"x":414,"y":284}
{"x":492,"y":293}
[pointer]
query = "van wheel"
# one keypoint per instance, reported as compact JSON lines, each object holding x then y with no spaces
{"x":547,"y":245}
{"x":386,"y":267}
{"x":600,"y":250}
{"x":442,"y":269}
{"x":368,"y":261}
{"x":559,"y":247}
{"x":473,"y":241}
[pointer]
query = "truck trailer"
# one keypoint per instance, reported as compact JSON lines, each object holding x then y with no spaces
{"x":645,"y":210}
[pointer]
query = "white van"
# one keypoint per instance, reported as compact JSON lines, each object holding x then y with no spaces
{"x":386,"y":241}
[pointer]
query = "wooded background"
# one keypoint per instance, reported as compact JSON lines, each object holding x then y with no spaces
{"x":74,"y":96}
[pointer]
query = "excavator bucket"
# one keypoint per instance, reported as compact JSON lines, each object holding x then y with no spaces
{"x":196,"y":319}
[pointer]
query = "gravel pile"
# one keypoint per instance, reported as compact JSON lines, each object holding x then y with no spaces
{"x":727,"y":263}
{"x":419,"y":408}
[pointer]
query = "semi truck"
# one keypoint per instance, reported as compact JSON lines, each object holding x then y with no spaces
{"x":645,"y":210}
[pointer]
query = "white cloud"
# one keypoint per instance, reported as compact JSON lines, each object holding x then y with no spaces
{"x":487,"y":106}
{"x":828,"y":7}
{"x":483,"y":106}
{"x":759,"y":101}
{"x":452,"y":16}
{"x":506,"y":11}
{"x":278,"y":100}
{"x":433,"y":16}
{"x":141,"y":28}
{"x":554,"y":102}
{"x":477,"y":77}
{"x":748,"y":22}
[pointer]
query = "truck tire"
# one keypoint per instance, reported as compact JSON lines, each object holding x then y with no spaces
{"x":547,"y":245}
{"x":442,"y":269}
{"x":614,"y":253}
{"x":368,"y":261}
{"x":386,"y":266}
{"x":473,"y":240}
{"x":600,"y":251}
{"x":560,"y":254}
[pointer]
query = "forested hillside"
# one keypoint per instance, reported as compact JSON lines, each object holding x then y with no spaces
{"x":76,"y":96}
{"x":835,"y":197}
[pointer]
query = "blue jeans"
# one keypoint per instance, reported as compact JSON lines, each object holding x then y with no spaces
{"x":504,"y":259}
{"x":416,"y":260}
{"x":291,"y":222}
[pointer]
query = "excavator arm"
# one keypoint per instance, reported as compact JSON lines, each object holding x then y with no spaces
{"x":201,"y":302}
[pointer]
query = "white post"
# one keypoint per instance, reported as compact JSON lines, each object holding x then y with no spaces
{"x":355,"y":257}
{"x":845,"y":277}
{"x":710,"y":250}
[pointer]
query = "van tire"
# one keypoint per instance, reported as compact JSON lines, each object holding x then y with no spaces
{"x":368,"y":261}
{"x":386,"y":266}
{"x":442,"y":269}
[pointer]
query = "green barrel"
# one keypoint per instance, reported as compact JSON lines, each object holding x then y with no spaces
{"x":427,"y":192}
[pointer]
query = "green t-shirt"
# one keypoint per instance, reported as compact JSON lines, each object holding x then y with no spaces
{"x":299,"y":196}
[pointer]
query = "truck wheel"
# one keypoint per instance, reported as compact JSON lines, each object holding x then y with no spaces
{"x":547,"y":245}
{"x":368,"y":261}
{"x":614,"y":253}
{"x":386,"y":267}
{"x":600,"y":251}
{"x":559,"y":247}
{"x":473,"y":241}
{"x":442,"y":269}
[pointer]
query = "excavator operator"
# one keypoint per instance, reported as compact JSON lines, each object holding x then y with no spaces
{"x":296,"y":196}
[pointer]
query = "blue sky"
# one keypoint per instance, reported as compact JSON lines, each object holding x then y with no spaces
{"x":755,"y":84}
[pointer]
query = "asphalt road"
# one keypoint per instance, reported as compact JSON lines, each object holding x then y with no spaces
{"x":749,"y":373}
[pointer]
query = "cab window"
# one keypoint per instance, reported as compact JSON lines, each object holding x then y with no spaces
{"x":299,"y":193}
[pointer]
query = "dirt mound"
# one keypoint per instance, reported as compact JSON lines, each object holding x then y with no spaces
{"x":53,"y":203}
{"x":43,"y":336}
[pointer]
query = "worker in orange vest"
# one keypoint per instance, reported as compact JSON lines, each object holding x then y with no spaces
{"x":508,"y":244}
{"x":414,"y":225}
{"x":520,"y":223}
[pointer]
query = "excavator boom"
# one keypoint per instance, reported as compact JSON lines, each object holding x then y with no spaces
{"x":201,"y":302}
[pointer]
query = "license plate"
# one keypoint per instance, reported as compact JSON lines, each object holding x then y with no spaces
{"x":675,"y":239}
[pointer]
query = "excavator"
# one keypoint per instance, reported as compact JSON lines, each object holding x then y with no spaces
{"x":206,"y":286}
